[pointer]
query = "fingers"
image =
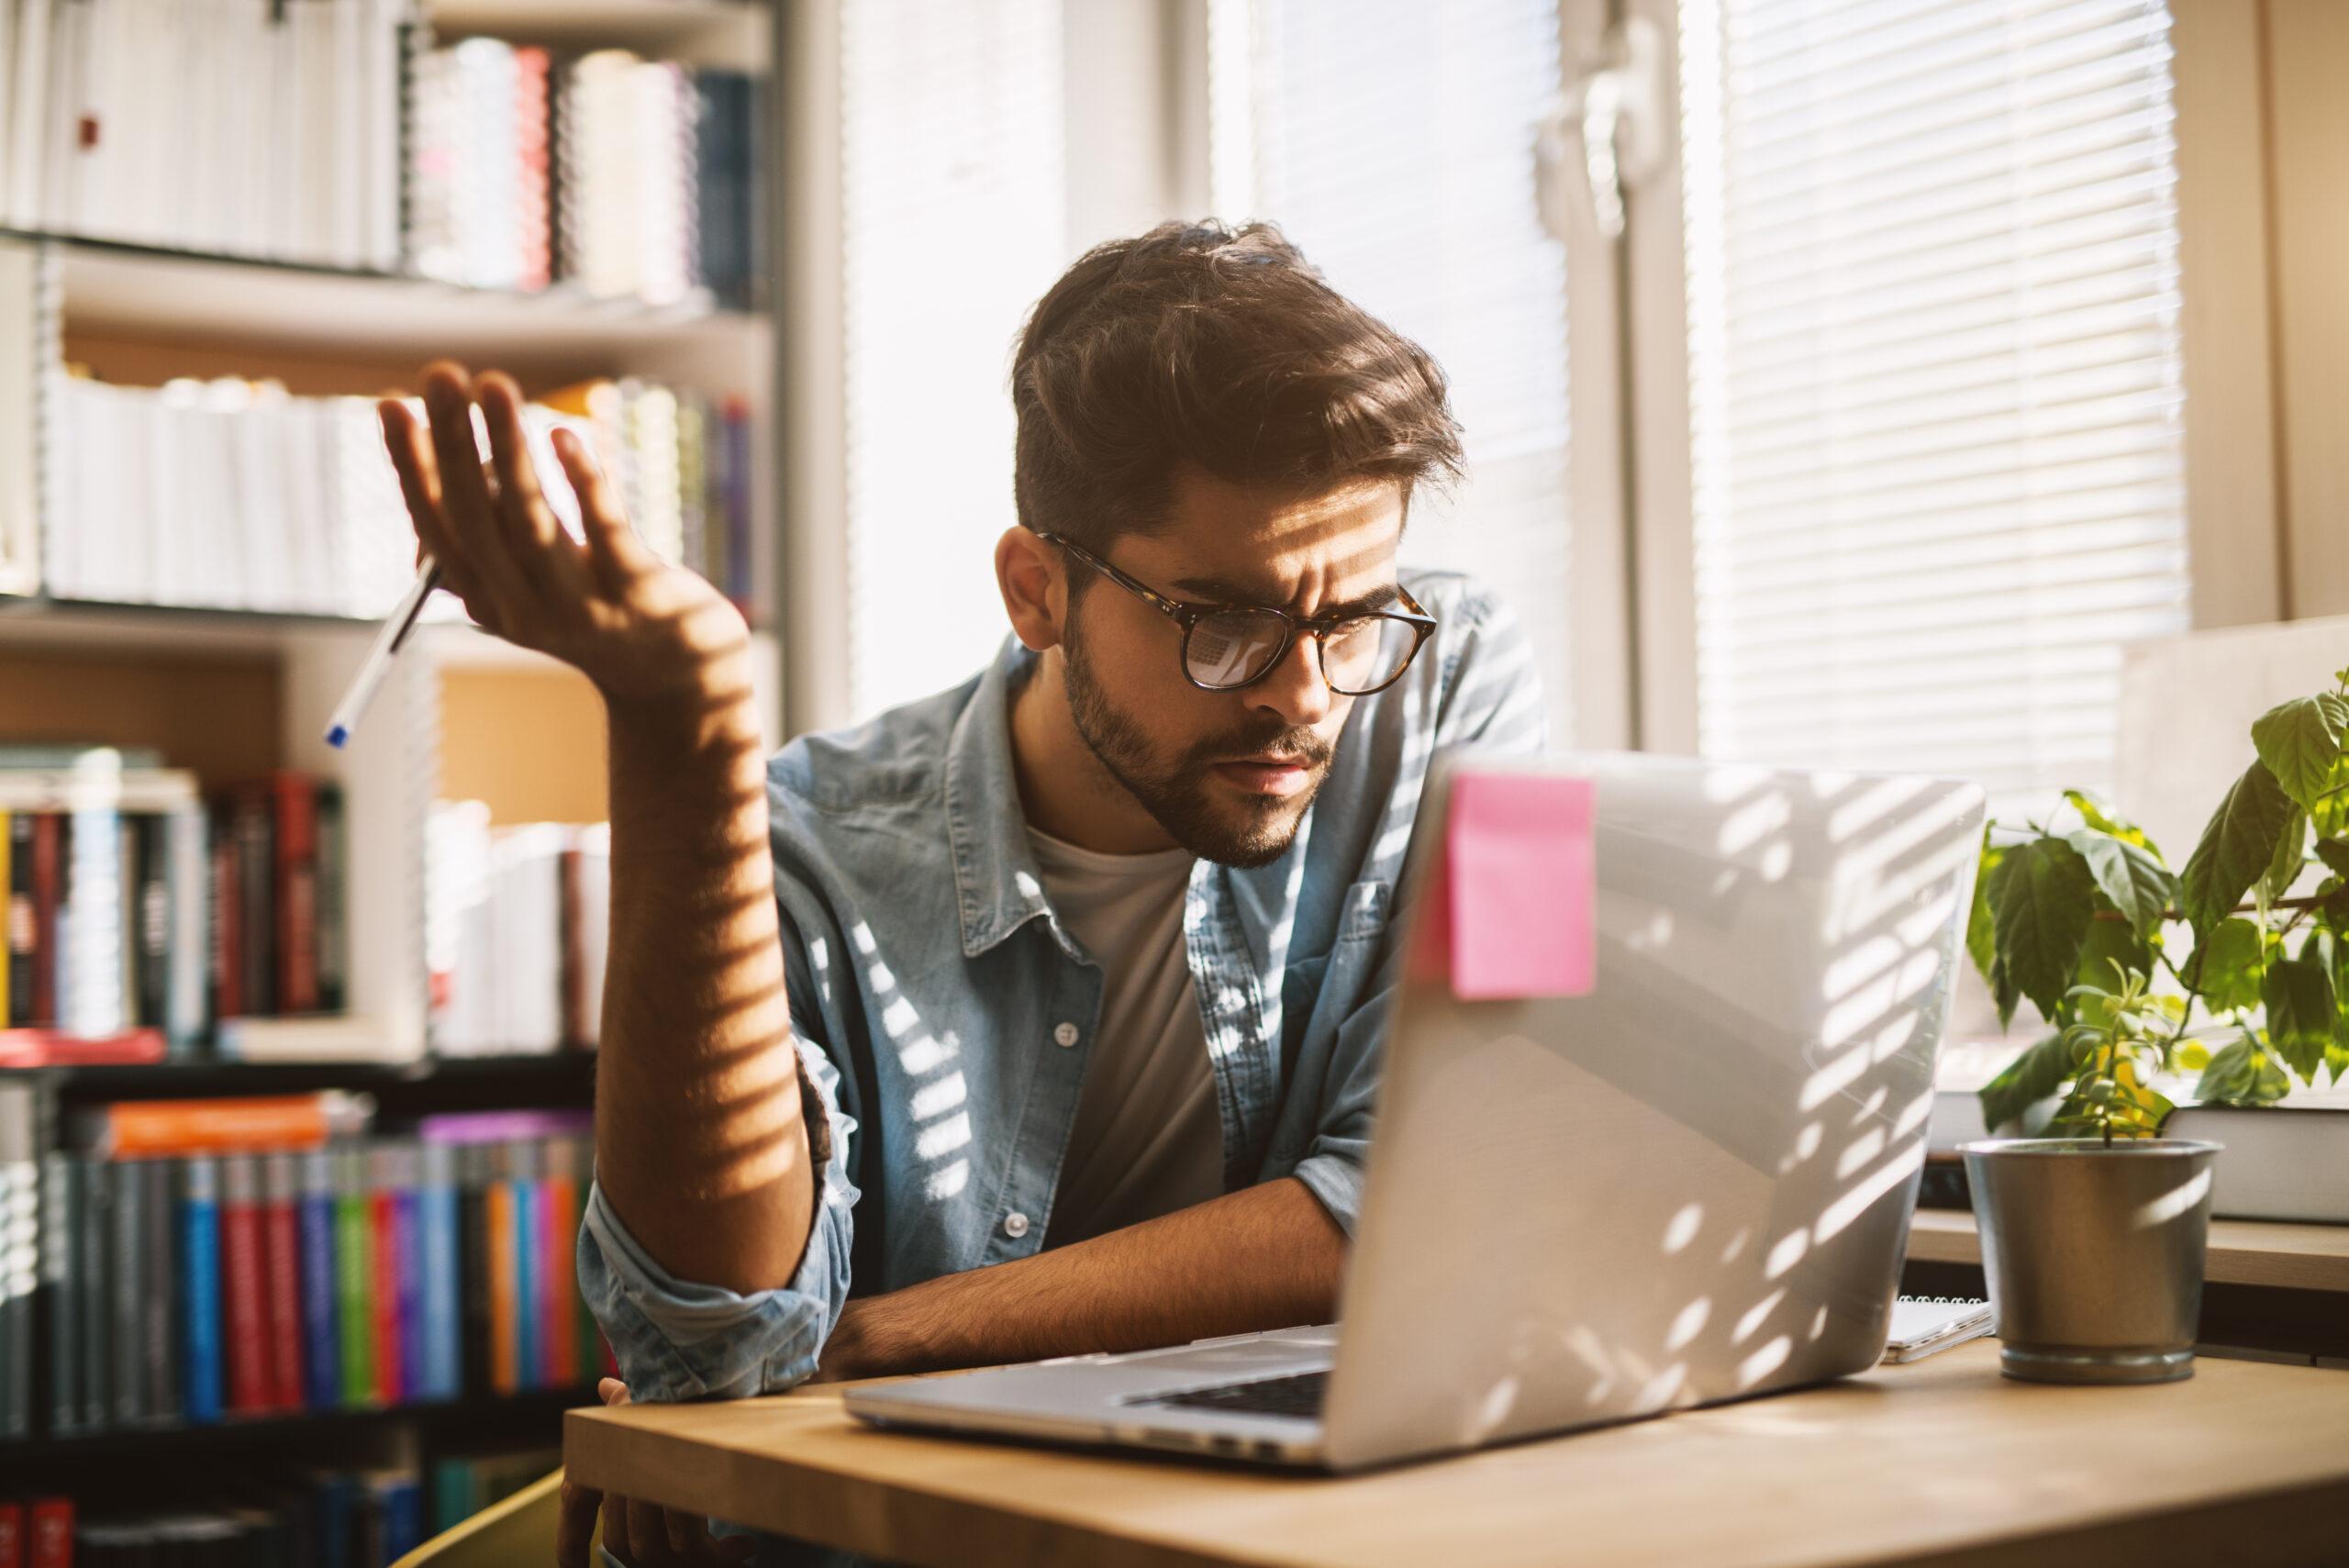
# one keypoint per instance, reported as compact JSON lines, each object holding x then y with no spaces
{"x":502,"y":585}
{"x":648,"y":1537}
{"x":612,"y":1391}
{"x":574,"y":1528}
{"x":419,"y":477}
{"x":521,"y":507}
{"x":612,"y":545}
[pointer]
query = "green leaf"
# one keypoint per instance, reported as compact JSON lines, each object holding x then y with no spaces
{"x":2111,"y":941}
{"x":2242,"y":1075}
{"x":1980,"y":940}
{"x":2290,"y":855}
{"x":2106,"y":820}
{"x":2236,"y":847}
{"x":2140,"y":886}
{"x":2042,"y":900}
{"x":2030,"y":1078}
{"x":2225,"y":968}
{"x":2298,"y":994}
{"x":2334,"y":853}
{"x":2301,"y":743}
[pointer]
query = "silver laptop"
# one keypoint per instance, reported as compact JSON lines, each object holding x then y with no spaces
{"x":1691,"y":1185}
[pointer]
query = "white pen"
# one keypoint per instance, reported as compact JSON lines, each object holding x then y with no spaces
{"x":397,"y":626}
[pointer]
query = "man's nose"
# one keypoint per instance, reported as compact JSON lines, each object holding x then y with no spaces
{"x":1295,"y":689}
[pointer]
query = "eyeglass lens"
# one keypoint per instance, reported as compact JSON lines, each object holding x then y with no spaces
{"x":1236,"y":647}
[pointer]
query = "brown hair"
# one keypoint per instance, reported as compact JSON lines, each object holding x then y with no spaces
{"x":1220,"y":347}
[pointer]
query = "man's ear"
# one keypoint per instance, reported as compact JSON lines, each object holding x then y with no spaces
{"x":1035,"y":591}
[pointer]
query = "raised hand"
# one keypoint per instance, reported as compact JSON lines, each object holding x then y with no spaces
{"x":642,"y":630}
{"x":639,"y":1534}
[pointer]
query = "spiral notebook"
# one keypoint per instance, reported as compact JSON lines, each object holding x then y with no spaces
{"x":1923,"y":1324}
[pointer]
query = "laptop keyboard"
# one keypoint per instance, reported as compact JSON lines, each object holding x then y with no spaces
{"x":1299,"y":1396}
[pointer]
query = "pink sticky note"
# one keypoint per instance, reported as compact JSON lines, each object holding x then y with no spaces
{"x":1517,"y":905}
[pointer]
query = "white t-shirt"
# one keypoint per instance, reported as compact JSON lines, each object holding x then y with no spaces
{"x":1147,"y":1139}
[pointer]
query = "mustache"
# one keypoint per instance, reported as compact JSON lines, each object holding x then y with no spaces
{"x":1300,"y":744}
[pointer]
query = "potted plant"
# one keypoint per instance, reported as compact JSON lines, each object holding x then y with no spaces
{"x":2093,"y":1237}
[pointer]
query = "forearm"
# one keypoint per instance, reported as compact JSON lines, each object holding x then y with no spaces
{"x":699,"y":1138}
{"x":1267,"y":1257}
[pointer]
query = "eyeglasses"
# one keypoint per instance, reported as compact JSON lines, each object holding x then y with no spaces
{"x":1227,"y":647}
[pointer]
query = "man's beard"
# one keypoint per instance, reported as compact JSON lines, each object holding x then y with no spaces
{"x":1177,"y":795}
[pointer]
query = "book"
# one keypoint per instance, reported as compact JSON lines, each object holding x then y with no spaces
{"x":49,"y":1524}
{"x":204,"y":1382}
{"x":160,"y":1301}
{"x":242,"y":1285}
{"x":54,"y":1048}
{"x":1922,"y":1325}
{"x":354,"y":1279}
{"x":321,"y":1342}
{"x":60,"y":1282}
{"x":441,"y":1272}
{"x":94,"y":1254}
{"x":132,"y":1127}
{"x":22,"y":929}
{"x":126,"y":1333}
{"x":19,"y":1253}
{"x":283,"y":1321}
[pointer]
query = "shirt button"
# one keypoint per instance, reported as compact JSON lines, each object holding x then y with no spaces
{"x":1063,"y":1034}
{"x":1015,"y":1226}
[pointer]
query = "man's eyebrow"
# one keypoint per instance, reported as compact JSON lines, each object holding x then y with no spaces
{"x":1223,"y":591}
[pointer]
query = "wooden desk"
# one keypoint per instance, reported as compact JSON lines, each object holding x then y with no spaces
{"x":1941,"y":1463}
{"x":2243,"y":1251}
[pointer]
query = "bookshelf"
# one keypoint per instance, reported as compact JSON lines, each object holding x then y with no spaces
{"x":232,"y":694}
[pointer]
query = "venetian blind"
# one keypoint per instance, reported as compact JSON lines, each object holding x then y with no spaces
{"x":1391,"y":140}
{"x":1932,"y":322}
{"x":951,"y":216}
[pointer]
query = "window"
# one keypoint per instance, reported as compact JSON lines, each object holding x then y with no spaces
{"x":951,"y":226}
{"x":1392,"y":142}
{"x":1935,"y":389}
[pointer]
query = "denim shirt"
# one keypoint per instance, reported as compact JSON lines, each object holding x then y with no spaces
{"x":944,"y":1016}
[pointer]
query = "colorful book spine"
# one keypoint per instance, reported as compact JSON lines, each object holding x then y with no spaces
{"x":165,"y":1398}
{"x":354,"y":1291}
{"x":407,"y":1233}
{"x":474,"y":1180}
{"x":322,"y":1362}
{"x":200,"y":1264}
{"x":128,"y":1331}
{"x":183,"y":1010}
{"x":383,"y":1319}
{"x":61,"y":1277}
{"x":333,"y":934}
{"x":505,"y":1365}
{"x":44,"y":890}
{"x":93,"y":1252}
{"x":50,"y":1531}
{"x":559,"y":1222}
{"x":441,"y":1273}
{"x":22,"y":922}
{"x":529,"y":1306}
{"x":294,"y":857}
{"x":282,"y":1279}
{"x":242,"y":1278}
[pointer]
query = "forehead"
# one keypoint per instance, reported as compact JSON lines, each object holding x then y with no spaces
{"x":1271,"y":546}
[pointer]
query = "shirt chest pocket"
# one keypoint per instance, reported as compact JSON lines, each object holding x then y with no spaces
{"x":1328,"y":982}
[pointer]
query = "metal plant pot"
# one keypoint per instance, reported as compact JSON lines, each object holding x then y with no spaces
{"x":2094,"y":1254}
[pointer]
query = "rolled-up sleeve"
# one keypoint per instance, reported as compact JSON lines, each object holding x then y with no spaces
{"x":677,"y":1340}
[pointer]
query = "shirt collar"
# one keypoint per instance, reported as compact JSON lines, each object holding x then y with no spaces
{"x":996,"y":884}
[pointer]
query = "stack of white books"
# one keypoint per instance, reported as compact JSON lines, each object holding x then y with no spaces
{"x":255,"y":128}
{"x":516,"y":928}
